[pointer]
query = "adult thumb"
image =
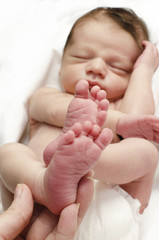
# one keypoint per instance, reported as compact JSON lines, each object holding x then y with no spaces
{"x":17,"y":216}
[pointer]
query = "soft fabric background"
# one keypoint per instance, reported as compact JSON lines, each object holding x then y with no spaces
{"x":32,"y":35}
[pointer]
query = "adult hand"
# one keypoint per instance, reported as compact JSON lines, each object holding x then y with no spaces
{"x":17,"y":216}
{"x":15,"y":219}
{"x":48,"y":226}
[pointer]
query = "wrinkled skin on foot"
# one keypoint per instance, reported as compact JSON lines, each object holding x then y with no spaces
{"x":78,"y":148}
{"x":90,"y":105}
{"x":73,"y":158}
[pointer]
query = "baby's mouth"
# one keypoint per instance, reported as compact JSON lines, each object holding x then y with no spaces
{"x":93,"y":83}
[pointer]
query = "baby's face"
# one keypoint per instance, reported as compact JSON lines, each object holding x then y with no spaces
{"x":103,"y":54}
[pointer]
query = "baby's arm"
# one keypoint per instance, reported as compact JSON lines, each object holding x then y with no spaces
{"x":142,"y":126}
{"x":138,"y":98}
{"x":49,"y":105}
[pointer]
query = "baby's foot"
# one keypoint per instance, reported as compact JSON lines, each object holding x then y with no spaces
{"x":90,"y":105}
{"x":78,"y":148}
{"x":77,"y":152}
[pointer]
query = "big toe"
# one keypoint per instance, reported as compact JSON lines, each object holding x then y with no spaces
{"x":82,"y":89}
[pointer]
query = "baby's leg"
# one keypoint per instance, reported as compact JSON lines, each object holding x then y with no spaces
{"x":18,"y":164}
{"x":145,"y":166}
{"x":130,"y":163}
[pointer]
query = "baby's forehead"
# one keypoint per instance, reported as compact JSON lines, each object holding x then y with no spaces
{"x":90,"y":23}
{"x":104,"y":23}
{"x":102,"y":20}
{"x":104,"y":38}
{"x":101,"y":27}
{"x":119,"y":18}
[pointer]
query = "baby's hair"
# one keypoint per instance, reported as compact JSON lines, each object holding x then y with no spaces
{"x":124,"y":17}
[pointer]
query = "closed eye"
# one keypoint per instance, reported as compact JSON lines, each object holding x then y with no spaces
{"x":119,"y":69}
{"x":81,"y":57}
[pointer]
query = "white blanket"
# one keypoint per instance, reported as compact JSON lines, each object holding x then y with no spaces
{"x":32,"y":35}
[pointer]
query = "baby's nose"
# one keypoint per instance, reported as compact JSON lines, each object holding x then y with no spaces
{"x":96,"y":68}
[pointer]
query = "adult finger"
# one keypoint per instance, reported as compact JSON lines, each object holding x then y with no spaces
{"x":85,"y":195}
{"x":67,"y":225}
{"x":72,"y":215}
{"x":43,"y":225}
{"x":17,"y":216}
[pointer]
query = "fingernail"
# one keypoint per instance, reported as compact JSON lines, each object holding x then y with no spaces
{"x":18,"y":191}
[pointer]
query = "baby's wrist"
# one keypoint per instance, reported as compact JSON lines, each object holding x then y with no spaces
{"x":144,"y":69}
{"x":120,"y":127}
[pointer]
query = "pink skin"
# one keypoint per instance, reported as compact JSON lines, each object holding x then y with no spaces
{"x":142,"y":126}
{"x":87,"y":105}
{"x":149,"y":57}
{"x":79,"y":147}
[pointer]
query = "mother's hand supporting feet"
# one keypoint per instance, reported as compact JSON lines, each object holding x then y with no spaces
{"x":17,"y":216}
{"x":63,"y":227}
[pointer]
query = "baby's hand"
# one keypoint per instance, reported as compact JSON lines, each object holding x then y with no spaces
{"x":142,"y":126}
{"x":149,"y":57}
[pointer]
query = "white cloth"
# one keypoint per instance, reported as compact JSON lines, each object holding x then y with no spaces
{"x":32,"y":35}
